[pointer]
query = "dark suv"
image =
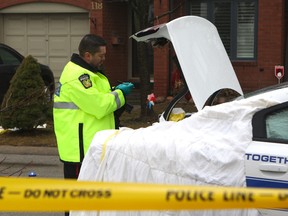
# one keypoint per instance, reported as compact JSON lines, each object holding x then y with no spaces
{"x":10,"y":59}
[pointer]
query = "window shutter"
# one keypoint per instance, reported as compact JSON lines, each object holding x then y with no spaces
{"x":245,"y":30}
{"x":199,"y":9}
{"x":235,"y":22}
{"x":222,"y":20}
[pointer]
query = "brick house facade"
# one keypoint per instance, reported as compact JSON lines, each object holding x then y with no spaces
{"x":271,"y":47}
{"x":112,"y":20}
{"x":271,"y":41}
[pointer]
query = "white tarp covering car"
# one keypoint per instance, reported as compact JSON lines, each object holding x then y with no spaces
{"x":222,"y":145}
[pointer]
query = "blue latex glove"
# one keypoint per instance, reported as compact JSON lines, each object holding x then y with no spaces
{"x":125,"y":87}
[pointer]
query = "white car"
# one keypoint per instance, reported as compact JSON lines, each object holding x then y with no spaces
{"x":241,"y":143}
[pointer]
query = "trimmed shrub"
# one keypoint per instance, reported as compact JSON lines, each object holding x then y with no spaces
{"x":26,"y":104}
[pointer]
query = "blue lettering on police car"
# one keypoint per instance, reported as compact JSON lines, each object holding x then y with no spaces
{"x":267,"y":158}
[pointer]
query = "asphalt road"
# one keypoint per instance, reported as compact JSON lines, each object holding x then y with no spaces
{"x":19,"y":162}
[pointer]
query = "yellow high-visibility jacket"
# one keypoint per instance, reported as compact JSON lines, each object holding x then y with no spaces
{"x":83,"y":105}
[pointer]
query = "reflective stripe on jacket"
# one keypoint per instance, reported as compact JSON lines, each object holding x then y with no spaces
{"x":83,"y":105}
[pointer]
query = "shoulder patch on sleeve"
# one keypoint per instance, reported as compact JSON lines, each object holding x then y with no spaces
{"x":85,"y":80}
{"x":58,"y":89}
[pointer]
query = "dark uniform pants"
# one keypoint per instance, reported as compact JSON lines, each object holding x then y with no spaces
{"x":71,"y":171}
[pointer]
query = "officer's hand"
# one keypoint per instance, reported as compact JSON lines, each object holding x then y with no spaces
{"x":125,"y":87}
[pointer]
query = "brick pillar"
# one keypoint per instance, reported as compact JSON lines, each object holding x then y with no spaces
{"x":96,"y":17}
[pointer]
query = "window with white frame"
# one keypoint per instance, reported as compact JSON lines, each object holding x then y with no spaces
{"x":235,"y":21}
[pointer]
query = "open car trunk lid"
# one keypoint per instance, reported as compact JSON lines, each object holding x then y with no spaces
{"x":203,"y":59}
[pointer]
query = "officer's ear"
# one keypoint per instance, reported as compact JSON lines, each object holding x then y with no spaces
{"x":87,"y":56}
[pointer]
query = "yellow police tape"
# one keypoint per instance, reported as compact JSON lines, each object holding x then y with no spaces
{"x":22,"y":194}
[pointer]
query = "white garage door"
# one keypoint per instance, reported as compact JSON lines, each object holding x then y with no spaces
{"x":50,"y":38}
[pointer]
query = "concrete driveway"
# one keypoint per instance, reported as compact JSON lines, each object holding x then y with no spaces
{"x":18,"y":161}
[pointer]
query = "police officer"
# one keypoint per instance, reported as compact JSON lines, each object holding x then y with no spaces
{"x":84,"y":103}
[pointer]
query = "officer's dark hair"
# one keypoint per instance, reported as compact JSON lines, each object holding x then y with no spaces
{"x":90,"y":43}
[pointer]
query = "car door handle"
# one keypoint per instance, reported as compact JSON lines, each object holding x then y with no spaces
{"x":273,"y":168}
